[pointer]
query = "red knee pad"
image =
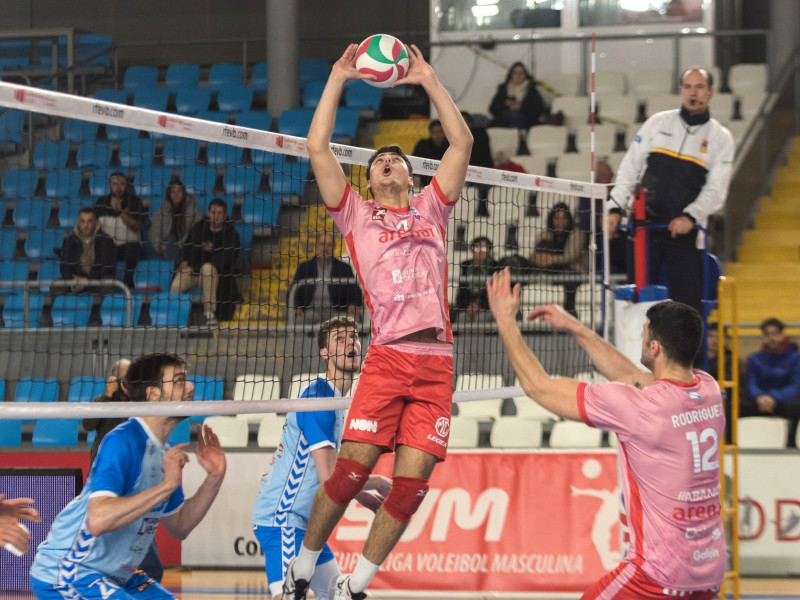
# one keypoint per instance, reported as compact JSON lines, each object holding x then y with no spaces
{"x":406,"y":496}
{"x":346,"y":481}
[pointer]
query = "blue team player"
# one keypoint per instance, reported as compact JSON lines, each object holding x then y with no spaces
{"x":305,"y":458}
{"x":97,"y":542}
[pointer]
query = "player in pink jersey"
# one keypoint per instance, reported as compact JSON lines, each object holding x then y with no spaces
{"x":669,"y":423}
{"x":404,"y":397}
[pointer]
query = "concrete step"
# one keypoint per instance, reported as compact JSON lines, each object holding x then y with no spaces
{"x":753,"y":254}
{"x":772,"y":238}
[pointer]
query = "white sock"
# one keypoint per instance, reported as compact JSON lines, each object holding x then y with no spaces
{"x":304,"y":564}
{"x":362,"y":575}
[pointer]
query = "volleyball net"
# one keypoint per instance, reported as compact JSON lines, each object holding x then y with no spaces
{"x":58,"y":343}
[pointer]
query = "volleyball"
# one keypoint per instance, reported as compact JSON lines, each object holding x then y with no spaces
{"x":385,"y":57}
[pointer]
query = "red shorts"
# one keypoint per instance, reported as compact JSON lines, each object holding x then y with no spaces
{"x":628,"y":582}
{"x":403,"y":398}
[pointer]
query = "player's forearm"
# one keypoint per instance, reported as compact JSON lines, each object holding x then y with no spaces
{"x":611,"y":363}
{"x":194,"y":509}
{"x":107,"y":513}
{"x":321,"y":130}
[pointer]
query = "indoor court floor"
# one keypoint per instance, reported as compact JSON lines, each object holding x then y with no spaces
{"x":209,"y":584}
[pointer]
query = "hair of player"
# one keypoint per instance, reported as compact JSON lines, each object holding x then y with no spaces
{"x":698,"y":68}
{"x":147,"y":371}
{"x":391,"y":149}
{"x":678,"y":327}
{"x":333,"y":323}
{"x":771,"y":322}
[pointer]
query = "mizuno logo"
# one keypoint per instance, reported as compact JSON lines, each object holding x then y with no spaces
{"x":354,"y":476}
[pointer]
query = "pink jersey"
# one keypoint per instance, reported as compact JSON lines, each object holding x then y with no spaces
{"x":669,"y":435}
{"x":400,"y":259}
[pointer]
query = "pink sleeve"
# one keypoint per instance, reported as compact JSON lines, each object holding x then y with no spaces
{"x":611,"y":406}
{"x":343,"y":213}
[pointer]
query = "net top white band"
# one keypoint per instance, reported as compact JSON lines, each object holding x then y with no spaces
{"x":89,"y":109}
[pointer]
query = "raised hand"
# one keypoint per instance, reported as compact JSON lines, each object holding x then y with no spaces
{"x":556,"y":316}
{"x":209,"y":452}
{"x":419,"y":70}
{"x":503,"y":301}
{"x":345,"y":66}
{"x":173,"y":462}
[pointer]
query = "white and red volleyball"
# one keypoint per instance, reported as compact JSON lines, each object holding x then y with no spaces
{"x":385,"y":57}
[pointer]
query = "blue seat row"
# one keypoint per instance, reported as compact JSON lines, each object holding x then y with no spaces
{"x":220,"y":76}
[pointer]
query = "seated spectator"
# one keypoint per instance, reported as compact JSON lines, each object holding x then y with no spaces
{"x":562,"y":248}
{"x":121,"y":216}
{"x":472,"y":300}
{"x":517,"y":103}
{"x":319,"y":301}
{"x":773,"y":379}
{"x":432,"y":147}
{"x":173,"y":221}
{"x":208,"y":261}
{"x":87,"y":253}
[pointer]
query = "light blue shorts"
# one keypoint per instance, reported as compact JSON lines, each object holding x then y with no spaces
{"x":99,"y":587}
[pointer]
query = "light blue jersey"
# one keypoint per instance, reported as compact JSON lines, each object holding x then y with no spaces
{"x":128,"y":462}
{"x":288,"y":488}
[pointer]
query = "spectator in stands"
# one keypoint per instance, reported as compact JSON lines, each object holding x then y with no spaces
{"x":97,"y":542}
{"x":282,"y":510}
{"x":208,"y":261}
{"x":517,"y":103}
{"x":471,"y":300}
{"x":121,"y":214}
{"x":115,"y":392}
{"x":682,"y":158}
{"x":317,"y":302}
{"x":773,"y":379}
{"x":560,"y":249}
{"x":87,"y":253}
{"x":432,"y":147}
{"x":173,"y":221}
{"x":14,"y":534}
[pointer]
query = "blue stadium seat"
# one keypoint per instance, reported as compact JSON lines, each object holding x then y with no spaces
{"x":263,"y":159}
{"x":153,"y":274}
{"x":71,"y":310}
{"x":206,"y":388}
{"x":63,"y":184}
{"x":137,"y":77}
{"x":255,"y":120}
{"x":14,"y":310}
{"x":10,"y":432}
{"x":295,"y":121}
{"x":45,"y":48}
{"x":94,"y":50}
{"x":152,"y":181}
{"x":181,"y":434}
{"x":41,"y":243}
{"x":362,"y":96}
{"x":215,"y":116}
{"x":113,"y":310}
{"x":135,"y":152}
{"x":50,"y":155}
{"x":346,"y":123}
{"x":68,"y":214}
{"x":12,"y":270}
{"x":76,"y":130}
{"x":289,"y":178}
{"x":221,"y":155}
{"x":198,"y":178}
{"x":258,"y":78}
{"x":260,"y":210}
{"x":98,"y":183}
{"x":181,"y":76}
{"x":152,"y":98}
{"x":112,"y":95}
{"x":19,"y":183}
{"x":312,"y":69}
{"x":8,"y":243}
{"x":85,"y":388}
{"x":179,"y":151}
{"x":15,"y":54}
{"x":235,"y":99}
{"x":12,"y":122}
{"x":31,"y":213}
{"x":190,"y":101}
{"x":312,"y":92}
{"x":48,"y":271}
{"x":116,"y":134}
{"x":225,"y":75}
{"x":245,"y":231}
{"x":170,"y":309}
{"x":56,"y":432}
{"x":94,"y":154}
{"x":242,"y":179}
{"x":36,"y":389}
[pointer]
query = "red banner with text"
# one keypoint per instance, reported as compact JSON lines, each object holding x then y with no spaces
{"x":510,"y":522}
